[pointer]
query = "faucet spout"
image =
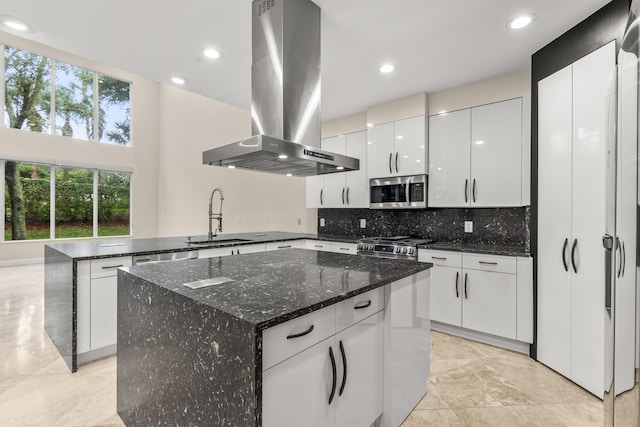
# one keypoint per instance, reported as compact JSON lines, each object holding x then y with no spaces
{"x":217,"y":216}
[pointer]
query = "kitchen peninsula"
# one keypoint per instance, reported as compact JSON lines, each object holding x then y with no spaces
{"x":286,"y":337}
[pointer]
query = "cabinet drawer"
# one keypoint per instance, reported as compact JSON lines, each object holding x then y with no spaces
{"x":344,"y":248}
{"x":286,"y":339}
{"x":107,"y":267}
{"x":317,"y":245}
{"x":353,"y":310}
{"x":272,"y":246}
{"x":499,"y":264}
{"x":442,"y":258}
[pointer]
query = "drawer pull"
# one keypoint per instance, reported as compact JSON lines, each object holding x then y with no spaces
{"x":360,"y":306}
{"x":441,"y":258}
{"x":318,"y":246}
{"x":457,"y":291}
{"x":344,"y":371}
{"x":466,"y":296}
{"x":487,"y":263}
{"x":284,"y":247}
{"x":106,"y":267}
{"x":139,"y":260}
{"x":301,"y":334}
{"x":334,"y":371}
{"x":344,"y":249}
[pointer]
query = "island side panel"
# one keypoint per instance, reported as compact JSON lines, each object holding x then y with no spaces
{"x":180,"y":362}
{"x":60,"y":303}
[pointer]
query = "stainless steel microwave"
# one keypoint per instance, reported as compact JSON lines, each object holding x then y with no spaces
{"x":398,"y":192}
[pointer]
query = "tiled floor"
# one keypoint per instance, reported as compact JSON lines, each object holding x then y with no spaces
{"x":471,"y":384}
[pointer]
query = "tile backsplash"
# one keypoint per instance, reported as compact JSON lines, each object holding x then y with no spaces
{"x":500,"y":226}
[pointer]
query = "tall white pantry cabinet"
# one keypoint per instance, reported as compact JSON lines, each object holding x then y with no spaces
{"x":572,"y":141}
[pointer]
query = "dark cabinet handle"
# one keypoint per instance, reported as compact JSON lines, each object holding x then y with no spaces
{"x":564,"y":254}
{"x":624,"y":259}
{"x":473,"y":191}
{"x":284,"y":247}
{"x":107,"y":267}
{"x":465,"y":287}
{"x":487,"y":263}
{"x":347,"y":195}
{"x":441,"y":258}
{"x":343,"y":195}
{"x":397,"y":162}
{"x":573,"y":259}
{"x":457,"y":279}
{"x":360,"y":306}
{"x":139,"y":260}
{"x":344,"y":371}
{"x":390,"y":157}
{"x":335,"y":374}
{"x":619,"y":251}
{"x":321,"y":202}
{"x":466,"y":191}
{"x":301,"y":334}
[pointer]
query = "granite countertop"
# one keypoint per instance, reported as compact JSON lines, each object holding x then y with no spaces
{"x":482,"y":248}
{"x":271,"y":287}
{"x":127,"y":246}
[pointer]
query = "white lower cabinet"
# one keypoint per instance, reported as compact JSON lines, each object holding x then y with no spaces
{"x":326,"y":246}
{"x":104,"y":311}
{"x":337,"y":382}
{"x":231,"y":250}
{"x":287,"y":244}
{"x":485,"y":293}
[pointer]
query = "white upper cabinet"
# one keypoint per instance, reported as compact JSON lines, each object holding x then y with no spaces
{"x":496,"y":144}
{"x":449,"y":159}
{"x":476,"y":156}
{"x":397,"y":148}
{"x":346,"y":189}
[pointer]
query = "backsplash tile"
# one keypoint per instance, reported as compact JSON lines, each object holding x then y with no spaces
{"x":498,"y":226}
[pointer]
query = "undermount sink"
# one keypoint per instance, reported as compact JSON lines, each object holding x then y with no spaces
{"x":217,"y":241}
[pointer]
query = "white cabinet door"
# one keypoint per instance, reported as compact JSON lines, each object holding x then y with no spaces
{"x":445,"y":301}
{"x":380,"y":151}
{"x":318,"y":245}
{"x":449,"y":159}
{"x":359,"y":394}
{"x":496,"y":164}
{"x":335,"y":183}
{"x":357,"y":194}
{"x":104,"y":311}
{"x":554,"y":220}
{"x":216,"y":252}
{"x":489,"y":302}
{"x":410,"y":147}
{"x":249,"y":249}
{"x":344,"y":248}
{"x":296,"y":392}
{"x":591,"y":77}
{"x":315,"y":191}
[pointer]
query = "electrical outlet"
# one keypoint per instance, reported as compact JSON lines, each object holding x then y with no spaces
{"x":468,"y":226}
{"x":299,"y":221}
{"x":321,"y":222}
{"x":363,"y":223}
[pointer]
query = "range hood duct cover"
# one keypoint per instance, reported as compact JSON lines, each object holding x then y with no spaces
{"x":285,"y":96}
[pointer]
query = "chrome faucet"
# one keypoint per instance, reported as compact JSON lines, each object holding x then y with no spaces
{"x":213,"y":216}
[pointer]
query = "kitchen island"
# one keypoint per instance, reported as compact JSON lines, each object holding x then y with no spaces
{"x":271,"y":346}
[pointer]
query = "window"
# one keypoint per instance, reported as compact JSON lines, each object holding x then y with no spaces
{"x":84,"y":104}
{"x":27,"y":90}
{"x":26,"y":201}
{"x":86,"y":202}
{"x":113,"y":203}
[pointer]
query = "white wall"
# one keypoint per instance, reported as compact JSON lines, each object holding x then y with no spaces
{"x":254,"y":201}
{"x":141,"y":158}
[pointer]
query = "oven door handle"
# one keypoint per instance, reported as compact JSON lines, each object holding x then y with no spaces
{"x":408,"y":195}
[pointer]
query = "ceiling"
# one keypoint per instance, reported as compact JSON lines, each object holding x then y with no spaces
{"x":435,"y":44}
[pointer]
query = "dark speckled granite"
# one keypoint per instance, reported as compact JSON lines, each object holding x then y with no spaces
{"x":481,"y":248}
{"x":193,"y":357}
{"x":493,"y":227}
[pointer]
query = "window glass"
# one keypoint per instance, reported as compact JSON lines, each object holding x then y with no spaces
{"x":115,"y":111}
{"x":28,"y":91}
{"x":74,"y":101}
{"x":113,"y":203}
{"x":74,"y":202}
{"x":27,"y":201}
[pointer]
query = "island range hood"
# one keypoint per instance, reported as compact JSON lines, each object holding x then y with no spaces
{"x":285,"y":96}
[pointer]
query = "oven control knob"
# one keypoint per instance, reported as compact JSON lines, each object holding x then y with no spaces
{"x":397,"y":250}
{"x":411,"y":251}
{"x":404,"y":250}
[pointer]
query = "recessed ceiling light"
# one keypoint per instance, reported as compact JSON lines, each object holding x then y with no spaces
{"x":387,"y":68}
{"x":14,"y":23}
{"x":211,"y":53}
{"x":231,"y":167}
{"x":521,"y":21}
{"x":369,"y":125}
{"x":282,"y":156}
{"x":340,"y":168}
{"x":178,"y":80}
{"x":289,"y":174}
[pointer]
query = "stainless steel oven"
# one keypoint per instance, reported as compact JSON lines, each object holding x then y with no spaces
{"x":398,"y":192}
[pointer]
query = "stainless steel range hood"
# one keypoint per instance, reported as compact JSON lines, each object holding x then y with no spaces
{"x":285,"y":98}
